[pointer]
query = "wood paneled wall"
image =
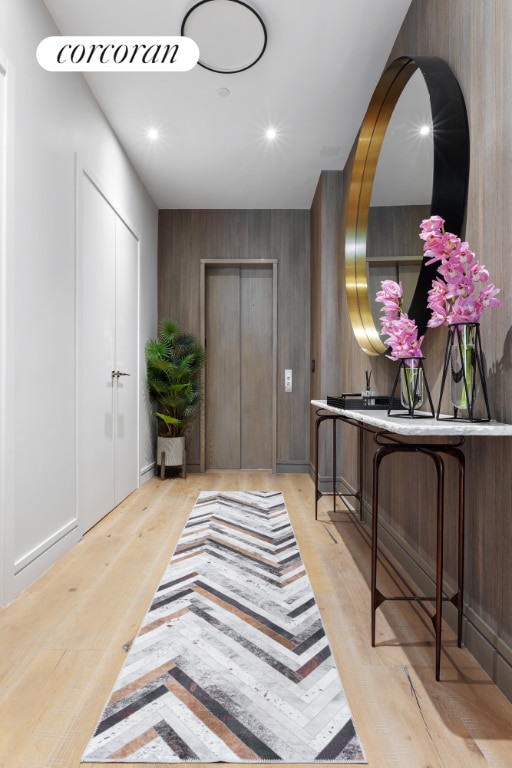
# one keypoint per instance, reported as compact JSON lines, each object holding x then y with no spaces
{"x":186,"y":237}
{"x":474,"y":38}
{"x":326,"y":233}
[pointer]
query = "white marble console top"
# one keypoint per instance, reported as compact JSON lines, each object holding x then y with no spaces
{"x":423,"y":426}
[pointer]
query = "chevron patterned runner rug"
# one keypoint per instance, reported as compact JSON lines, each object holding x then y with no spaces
{"x":232,"y":663}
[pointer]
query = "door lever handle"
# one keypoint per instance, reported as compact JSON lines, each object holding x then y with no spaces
{"x":119,"y":373}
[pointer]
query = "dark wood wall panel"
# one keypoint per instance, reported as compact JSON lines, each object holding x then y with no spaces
{"x":186,"y":237}
{"x":474,"y":38}
{"x":326,"y":336}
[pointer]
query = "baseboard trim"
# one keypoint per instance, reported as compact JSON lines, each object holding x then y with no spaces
{"x":324,"y":481}
{"x":147,"y":472}
{"x":30,"y":567}
{"x":282,"y":467}
{"x":44,"y":546}
{"x":292,"y":467}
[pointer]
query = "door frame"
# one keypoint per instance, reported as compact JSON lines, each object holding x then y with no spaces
{"x":230,"y":263}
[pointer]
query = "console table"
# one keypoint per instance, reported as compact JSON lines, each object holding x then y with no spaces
{"x":395,"y":434}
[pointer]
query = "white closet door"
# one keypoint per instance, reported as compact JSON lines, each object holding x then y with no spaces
{"x":96,"y":351}
{"x":107,"y":343}
{"x":125,"y":387}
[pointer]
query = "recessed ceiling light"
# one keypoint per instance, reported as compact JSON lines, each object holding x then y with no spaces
{"x":425,"y":130}
{"x":271,"y":134}
{"x":152,"y":134}
{"x":223,"y":92}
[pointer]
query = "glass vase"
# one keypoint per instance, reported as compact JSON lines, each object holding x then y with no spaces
{"x":463,"y":378}
{"x":464,"y":368}
{"x":411,"y":384}
{"x":410,"y":390}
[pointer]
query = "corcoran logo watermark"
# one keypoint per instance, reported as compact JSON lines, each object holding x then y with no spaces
{"x":117,"y":54}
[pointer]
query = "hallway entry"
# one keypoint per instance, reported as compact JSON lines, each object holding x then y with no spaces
{"x":240,"y":339}
{"x":108,"y":320}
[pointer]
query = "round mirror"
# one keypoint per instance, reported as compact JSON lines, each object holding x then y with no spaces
{"x":411,"y":161}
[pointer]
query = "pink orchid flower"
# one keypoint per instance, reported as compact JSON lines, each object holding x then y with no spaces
{"x":437,"y":318}
{"x":435,"y":223}
{"x":459,"y":296}
{"x":459,"y":288}
{"x":465,"y":255}
{"x":400,"y":330}
{"x":390,"y":290}
{"x":487,"y":296}
{"x":478,"y":274}
{"x":451,"y":271}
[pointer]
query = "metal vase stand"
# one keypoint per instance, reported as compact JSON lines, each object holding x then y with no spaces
{"x":470,"y":383}
{"x":411,"y":412}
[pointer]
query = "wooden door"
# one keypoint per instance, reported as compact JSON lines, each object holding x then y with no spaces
{"x":256,"y":383}
{"x":107,"y":445}
{"x":223,"y":368}
{"x":239,"y":369}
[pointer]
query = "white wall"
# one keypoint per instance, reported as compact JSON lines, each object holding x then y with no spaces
{"x":53,"y":119}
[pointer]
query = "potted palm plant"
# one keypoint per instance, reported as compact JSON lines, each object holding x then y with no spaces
{"x":173,"y":363}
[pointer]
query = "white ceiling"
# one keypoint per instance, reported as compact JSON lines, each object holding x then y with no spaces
{"x":313,"y":84}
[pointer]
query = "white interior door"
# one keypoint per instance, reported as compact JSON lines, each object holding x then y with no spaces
{"x":126,"y":345}
{"x":96,"y":350}
{"x":107,"y":346}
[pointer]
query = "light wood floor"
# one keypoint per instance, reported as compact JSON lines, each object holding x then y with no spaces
{"x":64,"y":640}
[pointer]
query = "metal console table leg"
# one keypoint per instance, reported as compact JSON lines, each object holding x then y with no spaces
{"x":435,"y":452}
{"x":321,"y":417}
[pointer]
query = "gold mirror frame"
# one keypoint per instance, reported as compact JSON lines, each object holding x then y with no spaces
{"x":449,"y":188}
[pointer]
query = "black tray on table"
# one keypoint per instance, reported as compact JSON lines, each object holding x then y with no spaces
{"x":353,"y":401}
